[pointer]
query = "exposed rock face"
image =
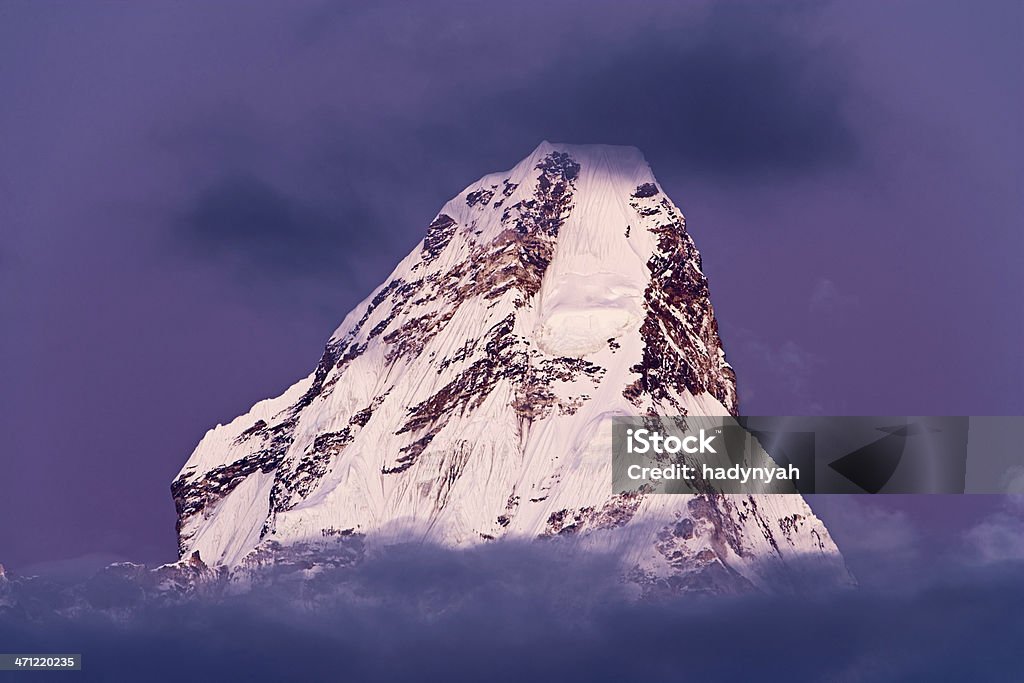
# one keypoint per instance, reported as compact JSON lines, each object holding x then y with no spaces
{"x":469,"y":398}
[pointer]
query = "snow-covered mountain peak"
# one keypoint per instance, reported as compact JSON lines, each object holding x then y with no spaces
{"x":469,"y":397}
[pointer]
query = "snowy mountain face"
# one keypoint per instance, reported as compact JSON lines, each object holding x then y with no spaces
{"x":469,"y":398}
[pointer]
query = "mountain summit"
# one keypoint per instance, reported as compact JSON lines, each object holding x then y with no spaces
{"x":469,"y":398}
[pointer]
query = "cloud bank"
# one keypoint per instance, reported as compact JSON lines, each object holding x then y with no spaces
{"x":514,"y":614}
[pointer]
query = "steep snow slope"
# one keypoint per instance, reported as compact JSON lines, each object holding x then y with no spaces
{"x":469,"y":397}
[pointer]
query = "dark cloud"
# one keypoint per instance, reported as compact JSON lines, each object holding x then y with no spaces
{"x":515,"y":614}
{"x":734,"y":92}
{"x":262,"y":230}
{"x":737,"y":93}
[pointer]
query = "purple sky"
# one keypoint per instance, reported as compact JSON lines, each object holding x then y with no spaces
{"x":192,"y":197}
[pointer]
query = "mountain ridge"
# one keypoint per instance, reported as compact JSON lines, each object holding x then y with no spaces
{"x":468,"y":398}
